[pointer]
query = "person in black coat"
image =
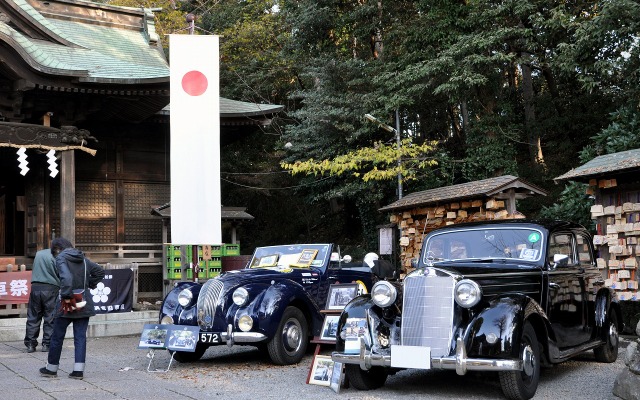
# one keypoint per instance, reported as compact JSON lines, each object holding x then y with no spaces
{"x":77,"y":275}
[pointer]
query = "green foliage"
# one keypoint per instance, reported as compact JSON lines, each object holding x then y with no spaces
{"x":377,"y":163}
{"x":573,"y":205}
{"x":495,"y":83}
{"x":623,"y":133}
{"x":487,"y":157}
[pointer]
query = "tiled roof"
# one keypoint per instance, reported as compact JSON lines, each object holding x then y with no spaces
{"x":92,"y":50}
{"x":606,"y":164}
{"x":233,"y":108}
{"x":482,"y":188}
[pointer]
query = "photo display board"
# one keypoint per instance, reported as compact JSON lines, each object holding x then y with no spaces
{"x":172,"y":337}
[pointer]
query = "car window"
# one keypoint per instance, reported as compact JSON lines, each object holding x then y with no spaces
{"x":584,"y":255}
{"x":490,"y":243}
{"x":290,"y":256}
{"x":561,"y":243}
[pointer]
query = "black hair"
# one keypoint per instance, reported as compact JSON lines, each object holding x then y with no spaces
{"x":58,"y":244}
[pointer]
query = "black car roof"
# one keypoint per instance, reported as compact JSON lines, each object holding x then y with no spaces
{"x":547,"y":224}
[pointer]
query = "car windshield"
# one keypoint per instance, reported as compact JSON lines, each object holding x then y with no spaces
{"x":484,"y":244}
{"x":291,"y":256}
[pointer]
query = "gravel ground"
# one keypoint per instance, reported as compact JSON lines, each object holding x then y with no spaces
{"x":243,"y":373}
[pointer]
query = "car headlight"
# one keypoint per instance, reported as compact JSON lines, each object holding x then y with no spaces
{"x":383,"y":294}
{"x":245,"y":323}
{"x":467,"y":293}
{"x":184,"y":298}
{"x":240,"y":296}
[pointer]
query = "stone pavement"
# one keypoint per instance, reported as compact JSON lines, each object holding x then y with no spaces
{"x":117,"y":369}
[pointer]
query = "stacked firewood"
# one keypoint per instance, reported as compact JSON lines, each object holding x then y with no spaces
{"x":417,"y":222}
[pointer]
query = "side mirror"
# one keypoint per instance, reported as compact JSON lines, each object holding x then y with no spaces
{"x":414,"y":263}
{"x":560,"y":260}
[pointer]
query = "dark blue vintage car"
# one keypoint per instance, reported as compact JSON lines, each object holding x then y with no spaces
{"x":505,"y":296}
{"x":274,"y":303}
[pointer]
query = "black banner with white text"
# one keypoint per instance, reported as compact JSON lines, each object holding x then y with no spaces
{"x":115,"y":292}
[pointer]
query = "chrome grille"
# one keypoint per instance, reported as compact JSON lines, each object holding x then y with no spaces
{"x":208,"y":301}
{"x":427,"y":312}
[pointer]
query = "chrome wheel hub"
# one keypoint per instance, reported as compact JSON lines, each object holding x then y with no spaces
{"x":528,"y":360}
{"x":292,"y":336}
{"x":613,"y":335}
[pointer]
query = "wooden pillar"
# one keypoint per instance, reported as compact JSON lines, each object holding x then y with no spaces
{"x":233,"y":233}
{"x":68,"y":196}
{"x":511,"y":201}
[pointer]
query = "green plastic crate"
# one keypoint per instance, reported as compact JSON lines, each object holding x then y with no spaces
{"x":174,"y":273}
{"x":231,"y":250}
{"x":212,"y":272}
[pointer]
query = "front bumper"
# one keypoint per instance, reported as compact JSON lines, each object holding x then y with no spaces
{"x":460,"y":362}
{"x":230,"y":337}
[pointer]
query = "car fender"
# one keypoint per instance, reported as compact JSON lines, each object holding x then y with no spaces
{"x":359,"y":307}
{"x":276,"y":298}
{"x":496,"y":330}
{"x":605,"y":303}
{"x":181,"y":315}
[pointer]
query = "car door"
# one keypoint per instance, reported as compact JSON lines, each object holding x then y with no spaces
{"x":593,"y":280}
{"x":567,"y":300}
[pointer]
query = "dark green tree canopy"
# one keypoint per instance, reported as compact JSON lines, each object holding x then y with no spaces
{"x":525,"y":87}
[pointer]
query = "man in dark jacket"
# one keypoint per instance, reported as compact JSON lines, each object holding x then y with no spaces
{"x":77,"y":274}
{"x":43,"y":299}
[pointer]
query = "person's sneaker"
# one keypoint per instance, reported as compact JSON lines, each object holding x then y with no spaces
{"x":45,"y":348}
{"x":76,"y":375}
{"x":49,"y":374}
{"x":31,"y":349}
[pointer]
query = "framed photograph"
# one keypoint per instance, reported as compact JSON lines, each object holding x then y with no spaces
{"x":337,"y":376}
{"x":321,"y":371}
{"x":340,"y":294}
{"x":329,"y":327}
{"x":268,"y":261}
{"x":354,"y":329}
{"x":306,"y":258}
{"x":153,"y":336}
{"x":183,"y":338}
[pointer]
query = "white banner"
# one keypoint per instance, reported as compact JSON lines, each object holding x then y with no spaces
{"x":196,"y":205}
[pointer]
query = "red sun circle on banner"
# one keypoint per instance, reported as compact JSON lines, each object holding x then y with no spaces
{"x":194,"y":83}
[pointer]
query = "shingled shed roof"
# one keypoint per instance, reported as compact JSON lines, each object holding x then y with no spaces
{"x":492,"y":187}
{"x":623,"y":161}
{"x":228,"y":213}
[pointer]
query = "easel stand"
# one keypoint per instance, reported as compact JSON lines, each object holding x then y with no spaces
{"x":151,"y":354}
{"x":327,"y":345}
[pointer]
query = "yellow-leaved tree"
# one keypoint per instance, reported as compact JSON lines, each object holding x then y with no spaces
{"x":378,"y":163}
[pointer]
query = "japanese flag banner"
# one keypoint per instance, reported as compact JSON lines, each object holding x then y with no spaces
{"x":196,"y":205}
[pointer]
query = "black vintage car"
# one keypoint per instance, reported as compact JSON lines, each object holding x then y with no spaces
{"x":274,"y":303}
{"x":506,"y":296}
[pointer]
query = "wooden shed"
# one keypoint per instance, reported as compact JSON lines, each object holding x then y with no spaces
{"x":614,"y":182}
{"x":486,"y":199}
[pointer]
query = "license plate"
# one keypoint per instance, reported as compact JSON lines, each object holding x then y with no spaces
{"x":410,"y":357}
{"x":207,"y":337}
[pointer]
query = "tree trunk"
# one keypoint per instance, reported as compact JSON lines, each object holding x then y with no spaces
{"x":533,"y":138}
{"x":376,"y":36}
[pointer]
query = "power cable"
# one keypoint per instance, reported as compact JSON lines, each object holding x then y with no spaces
{"x":274,"y":188}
